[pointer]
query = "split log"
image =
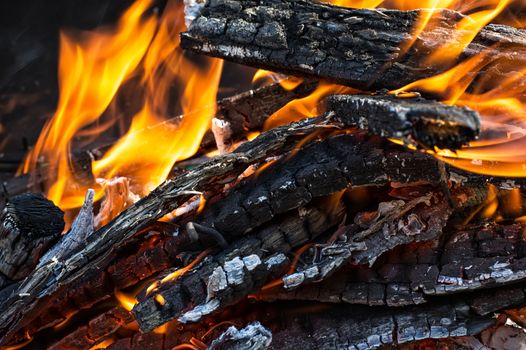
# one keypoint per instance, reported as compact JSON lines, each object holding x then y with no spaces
{"x":356,"y":47}
{"x":412,"y":119}
{"x":29,"y":225}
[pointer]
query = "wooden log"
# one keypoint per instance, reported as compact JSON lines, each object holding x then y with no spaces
{"x":356,"y":47}
{"x":481,"y":257}
{"x":413,"y":119}
{"x":29,"y":225}
{"x":229,"y":276}
{"x":46,"y":280}
{"x":358,"y":327}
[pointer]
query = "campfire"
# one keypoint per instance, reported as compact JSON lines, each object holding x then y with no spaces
{"x":273,"y":174}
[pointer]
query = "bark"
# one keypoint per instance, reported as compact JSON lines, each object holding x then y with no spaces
{"x":356,"y":47}
{"x":414,"y":119}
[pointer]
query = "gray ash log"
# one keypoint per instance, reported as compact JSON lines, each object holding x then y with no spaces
{"x":356,"y":47}
{"x":252,"y":337}
{"x":413,"y":119}
{"x":29,"y":225}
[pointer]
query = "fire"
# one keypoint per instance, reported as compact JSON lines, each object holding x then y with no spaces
{"x":126,"y":301}
{"x":93,"y":68}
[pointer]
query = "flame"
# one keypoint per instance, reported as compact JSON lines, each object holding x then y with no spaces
{"x":103,"y":344}
{"x":305,"y":107}
{"x":93,"y":68}
{"x":126,"y":301}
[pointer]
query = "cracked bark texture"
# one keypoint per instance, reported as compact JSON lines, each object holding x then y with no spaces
{"x":227,"y":277}
{"x":357,"y":47}
{"x":413,"y":119}
{"x":489,"y":256}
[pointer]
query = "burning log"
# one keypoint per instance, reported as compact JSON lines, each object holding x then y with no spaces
{"x":30,"y":224}
{"x":486,"y":256}
{"x":358,"y":327}
{"x":413,"y":119}
{"x":357,"y":47}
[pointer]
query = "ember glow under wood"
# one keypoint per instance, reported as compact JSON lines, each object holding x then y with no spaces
{"x":357,"y":47}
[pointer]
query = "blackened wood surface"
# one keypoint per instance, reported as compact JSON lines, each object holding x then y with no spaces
{"x":413,"y":119}
{"x":352,"y":327}
{"x":468,"y":260}
{"x":29,"y":225}
{"x":243,"y":268}
{"x":360,"y":48}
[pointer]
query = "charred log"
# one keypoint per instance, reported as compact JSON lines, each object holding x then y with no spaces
{"x":355,"y":327}
{"x":99,"y":247}
{"x":30,"y":224}
{"x":361,"y":48}
{"x":252,"y":337}
{"x":229,"y":276}
{"x":413,"y":119}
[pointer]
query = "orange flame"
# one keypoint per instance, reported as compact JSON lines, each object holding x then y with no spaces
{"x":126,"y":301}
{"x":92,"y":70}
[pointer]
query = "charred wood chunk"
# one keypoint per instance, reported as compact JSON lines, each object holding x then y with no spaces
{"x":357,"y":47}
{"x":252,"y":337}
{"x":415,"y":119}
{"x":317,"y":170}
{"x":421,"y":219}
{"x":355,"y":327}
{"x":243,"y":268}
{"x":30,"y":224}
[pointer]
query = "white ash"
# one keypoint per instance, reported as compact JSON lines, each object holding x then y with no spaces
{"x":252,"y":337}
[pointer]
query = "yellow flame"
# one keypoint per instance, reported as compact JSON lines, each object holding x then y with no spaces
{"x":126,"y":301}
{"x":93,"y":67}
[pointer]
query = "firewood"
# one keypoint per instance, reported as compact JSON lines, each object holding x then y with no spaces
{"x":413,"y":119}
{"x":358,"y":327}
{"x":47,"y":279}
{"x":229,"y":276}
{"x":357,"y":47}
{"x":29,"y":225}
{"x":482,"y":257}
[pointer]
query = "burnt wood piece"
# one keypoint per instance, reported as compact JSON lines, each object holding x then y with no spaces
{"x":221,"y":280}
{"x":421,"y":219}
{"x":248,"y":111}
{"x":29,"y":225}
{"x":318,"y":169}
{"x":356,"y":327}
{"x":413,"y":119}
{"x":252,"y":337}
{"x":357,"y":47}
{"x":482,"y":257}
{"x":95,"y":330}
{"x":100,"y":246}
